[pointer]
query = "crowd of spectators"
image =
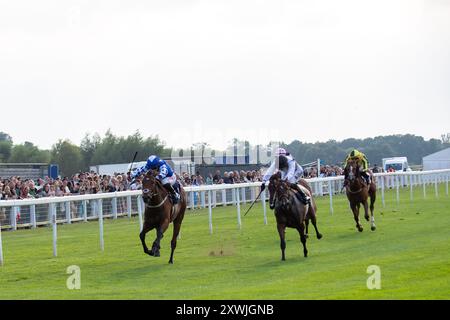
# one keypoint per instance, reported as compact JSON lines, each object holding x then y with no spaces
{"x":80,"y":183}
{"x":228,"y":177}
{"x":92,"y":183}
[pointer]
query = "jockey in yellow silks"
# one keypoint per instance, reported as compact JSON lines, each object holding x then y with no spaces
{"x":361,"y":160}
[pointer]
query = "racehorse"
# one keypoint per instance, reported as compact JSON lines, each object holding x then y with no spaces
{"x":159,"y":213}
{"x":358,"y":193}
{"x":290,"y":211}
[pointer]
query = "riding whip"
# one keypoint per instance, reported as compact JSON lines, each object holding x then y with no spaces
{"x":254,"y":202}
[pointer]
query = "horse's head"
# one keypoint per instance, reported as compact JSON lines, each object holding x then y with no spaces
{"x":149,"y":187}
{"x":279,"y":190}
{"x":352,"y":172}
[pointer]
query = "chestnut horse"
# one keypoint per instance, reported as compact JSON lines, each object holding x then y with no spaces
{"x":290,"y":212}
{"x":159,"y":213}
{"x":358,"y":193}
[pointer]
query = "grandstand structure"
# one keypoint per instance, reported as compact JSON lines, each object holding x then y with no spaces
{"x":28,"y":170}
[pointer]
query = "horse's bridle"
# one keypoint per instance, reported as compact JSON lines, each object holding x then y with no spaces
{"x":352,"y":177}
{"x":276,"y":196}
{"x":150,"y":194}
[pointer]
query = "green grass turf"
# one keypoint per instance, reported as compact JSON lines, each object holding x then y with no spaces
{"x":411,"y":246}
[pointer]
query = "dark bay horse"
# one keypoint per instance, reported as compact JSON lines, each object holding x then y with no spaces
{"x":358,"y":193}
{"x":290,"y":212}
{"x":159,"y":213}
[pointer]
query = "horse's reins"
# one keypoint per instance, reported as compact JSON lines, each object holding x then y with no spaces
{"x":353,"y":192}
{"x":158,"y":205}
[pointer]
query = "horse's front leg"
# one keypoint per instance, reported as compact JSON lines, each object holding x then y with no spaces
{"x":355,"y":210}
{"x":159,"y":235}
{"x":366,"y":210}
{"x":372,"y":207}
{"x":281,"y":231}
{"x":146,"y":228}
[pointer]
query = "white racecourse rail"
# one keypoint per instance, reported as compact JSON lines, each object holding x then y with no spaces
{"x":52,"y":211}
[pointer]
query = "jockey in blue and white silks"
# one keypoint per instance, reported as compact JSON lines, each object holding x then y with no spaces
{"x":165,"y":175}
{"x":290,"y":170}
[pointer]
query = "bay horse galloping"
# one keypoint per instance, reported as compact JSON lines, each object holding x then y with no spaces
{"x":159,"y":213}
{"x":290,"y":211}
{"x":358,"y":193}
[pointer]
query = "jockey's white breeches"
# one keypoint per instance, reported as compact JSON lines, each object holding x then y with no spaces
{"x":170,"y":180}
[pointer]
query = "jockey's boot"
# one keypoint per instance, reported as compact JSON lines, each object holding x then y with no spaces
{"x":367,"y":177}
{"x":173,"y":194}
{"x":300,"y":194}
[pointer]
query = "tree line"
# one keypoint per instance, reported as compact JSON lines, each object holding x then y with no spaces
{"x":96,"y":150}
{"x":93,"y":150}
{"x":334,"y":152}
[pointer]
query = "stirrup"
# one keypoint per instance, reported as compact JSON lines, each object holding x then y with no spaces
{"x":176,"y":198}
{"x":307,"y":200}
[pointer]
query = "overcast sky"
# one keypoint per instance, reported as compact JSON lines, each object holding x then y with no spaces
{"x":192,"y":70}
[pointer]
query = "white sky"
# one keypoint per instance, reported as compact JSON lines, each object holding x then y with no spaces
{"x":192,"y":70}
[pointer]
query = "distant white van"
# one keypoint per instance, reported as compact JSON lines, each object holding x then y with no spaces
{"x":396,"y":163}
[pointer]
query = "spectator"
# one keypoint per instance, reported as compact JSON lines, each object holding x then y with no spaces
{"x":217,"y":179}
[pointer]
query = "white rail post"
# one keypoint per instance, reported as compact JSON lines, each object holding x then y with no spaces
{"x":114,"y":208}
{"x":436,"y":189}
{"x":214,"y":195}
{"x":411,"y":191}
{"x":52,"y":214}
{"x":84,"y":206}
{"x":1,"y":246}
{"x":203,"y":200}
{"x":33,"y":216}
{"x":424,"y":186}
{"x":139,"y":204}
{"x":263,"y":200}
{"x":100,"y":223}
{"x":13,"y":218}
{"x":330,"y":191}
{"x":382,"y":192}
{"x":224,"y":197}
{"x":236,"y":193}
{"x":243,"y":196}
{"x":192,"y":197}
{"x":68,"y":217}
{"x":446,"y":183}
{"x":129,"y":207}
{"x":397,"y":186}
{"x":210,"y":213}
{"x":318,"y":168}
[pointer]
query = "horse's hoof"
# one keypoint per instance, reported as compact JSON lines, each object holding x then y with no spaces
{"x":306,"y":254}
{"x":319,"y":236}
{"x":367,"y":218}
{"x":170,"y":262}
{"x":373,"y":228}
{"x":360,"y":229}
{"x":157,"y":254}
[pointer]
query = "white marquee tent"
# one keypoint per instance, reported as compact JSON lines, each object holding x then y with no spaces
{"x":438,"y":160}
